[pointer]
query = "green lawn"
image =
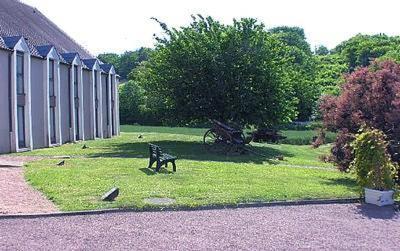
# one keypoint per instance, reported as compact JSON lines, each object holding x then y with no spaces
{"x":202,"y":178}
{"x":304,"y":137}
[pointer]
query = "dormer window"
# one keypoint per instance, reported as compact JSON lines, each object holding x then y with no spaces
{"x":20,"y":94}
{"x":52,"y":93}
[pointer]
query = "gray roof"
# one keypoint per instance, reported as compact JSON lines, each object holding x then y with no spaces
{"x":106,"y":67}
{"x":90,"y":62}
{"x":18,"y":19}
{"x":69,"y":57}
{"x":10,"y":42}
{"x":44,"y":50}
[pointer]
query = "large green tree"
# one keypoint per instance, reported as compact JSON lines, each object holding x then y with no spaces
{"x":361,"y":50}
{"x":330,"y":73}
{"x":300,"y":67}
{"x":227,"y":72}
{"x":131,"y":101}
{"x":127,"y":61}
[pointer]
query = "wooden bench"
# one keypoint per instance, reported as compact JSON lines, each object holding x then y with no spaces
{"x":157,"y":156}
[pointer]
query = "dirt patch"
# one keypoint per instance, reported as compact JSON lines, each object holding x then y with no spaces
{"x":17,"y":196}
{"x":160,"y":201}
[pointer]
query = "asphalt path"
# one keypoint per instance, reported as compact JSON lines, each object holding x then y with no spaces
{"x":316,"y":227}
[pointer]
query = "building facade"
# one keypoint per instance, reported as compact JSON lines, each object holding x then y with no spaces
{"x":52,"y":91}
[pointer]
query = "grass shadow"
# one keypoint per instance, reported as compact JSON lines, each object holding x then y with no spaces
{"x":187,"y":150}
{"x":343,"y":181}
{"x":151,"y":172}
{"x":147,"y":171}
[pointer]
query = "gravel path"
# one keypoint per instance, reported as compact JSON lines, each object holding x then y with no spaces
{"x":16,"y":196}
{"x":344,"y":227}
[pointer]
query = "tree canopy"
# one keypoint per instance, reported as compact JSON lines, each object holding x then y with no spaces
{"x":361,"y":50}
{"x":126,"y":62}
{"x":227,"y":72}
{"x":300,"y":67}
{"x":242,"y":72}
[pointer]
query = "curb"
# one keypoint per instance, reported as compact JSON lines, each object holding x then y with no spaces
{"x":183,"y":208}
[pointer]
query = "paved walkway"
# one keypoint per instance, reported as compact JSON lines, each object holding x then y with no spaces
{"x":16,"y":196}
{"x":343,"y":227}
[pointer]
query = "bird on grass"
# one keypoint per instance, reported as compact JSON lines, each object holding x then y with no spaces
{"x":140,"y":136}
{"x":85,"y":147}
{"x":61,"y":163}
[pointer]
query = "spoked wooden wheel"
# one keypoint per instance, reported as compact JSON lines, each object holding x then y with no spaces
{"x":210,"y":138}
{"x":213,"y":142}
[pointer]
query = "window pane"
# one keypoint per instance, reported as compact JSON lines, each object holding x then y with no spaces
{"x":51,"y":78}
{"x":77,"y":123}
{"x":21,"y":126}
{"x":107,"y":100}
{"x":76,"y":90}
{"x":112,"y":106}
{"x":53,"y":125}
{"x":20,"y":73}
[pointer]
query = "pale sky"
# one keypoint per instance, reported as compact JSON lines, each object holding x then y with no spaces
{"x":120,"y":25}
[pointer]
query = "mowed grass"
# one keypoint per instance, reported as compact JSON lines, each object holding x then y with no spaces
{"x":304,"y":137}
{"x":202,"y":178}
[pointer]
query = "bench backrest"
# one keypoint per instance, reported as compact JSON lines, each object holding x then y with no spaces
{"x":155,"y":151}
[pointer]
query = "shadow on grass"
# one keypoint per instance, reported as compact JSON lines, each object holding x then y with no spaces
{"x":147,"y":171}
{"x":189,"y":151}
{"x":151,"y":172}
{"x":343,"y":181}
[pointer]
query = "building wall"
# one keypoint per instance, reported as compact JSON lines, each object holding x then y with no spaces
{"x":39,"y":123}
{"x":39,"y":118}
{"x":88,"y":104}
{"x":65,"y":103}
{"x":4,"y":102}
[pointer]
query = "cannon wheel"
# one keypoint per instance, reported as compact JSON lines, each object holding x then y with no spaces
{"x":215,"y":143}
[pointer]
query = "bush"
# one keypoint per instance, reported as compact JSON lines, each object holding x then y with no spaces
{"x":372,"y":163}
{"x":370,"y":97}
{"x":342,"y":153}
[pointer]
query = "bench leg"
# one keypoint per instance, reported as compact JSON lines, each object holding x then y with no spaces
{"x":173,"y":166}
{"x":158,"y":166}
{"x":151,"y":162}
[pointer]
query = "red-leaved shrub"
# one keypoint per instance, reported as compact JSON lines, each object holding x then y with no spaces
{"x":370,"y":97}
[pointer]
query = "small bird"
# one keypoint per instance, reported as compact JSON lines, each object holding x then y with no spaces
{"x":140,"y":136}
{"x":85,"y":146}
{"x":61,"y":163}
